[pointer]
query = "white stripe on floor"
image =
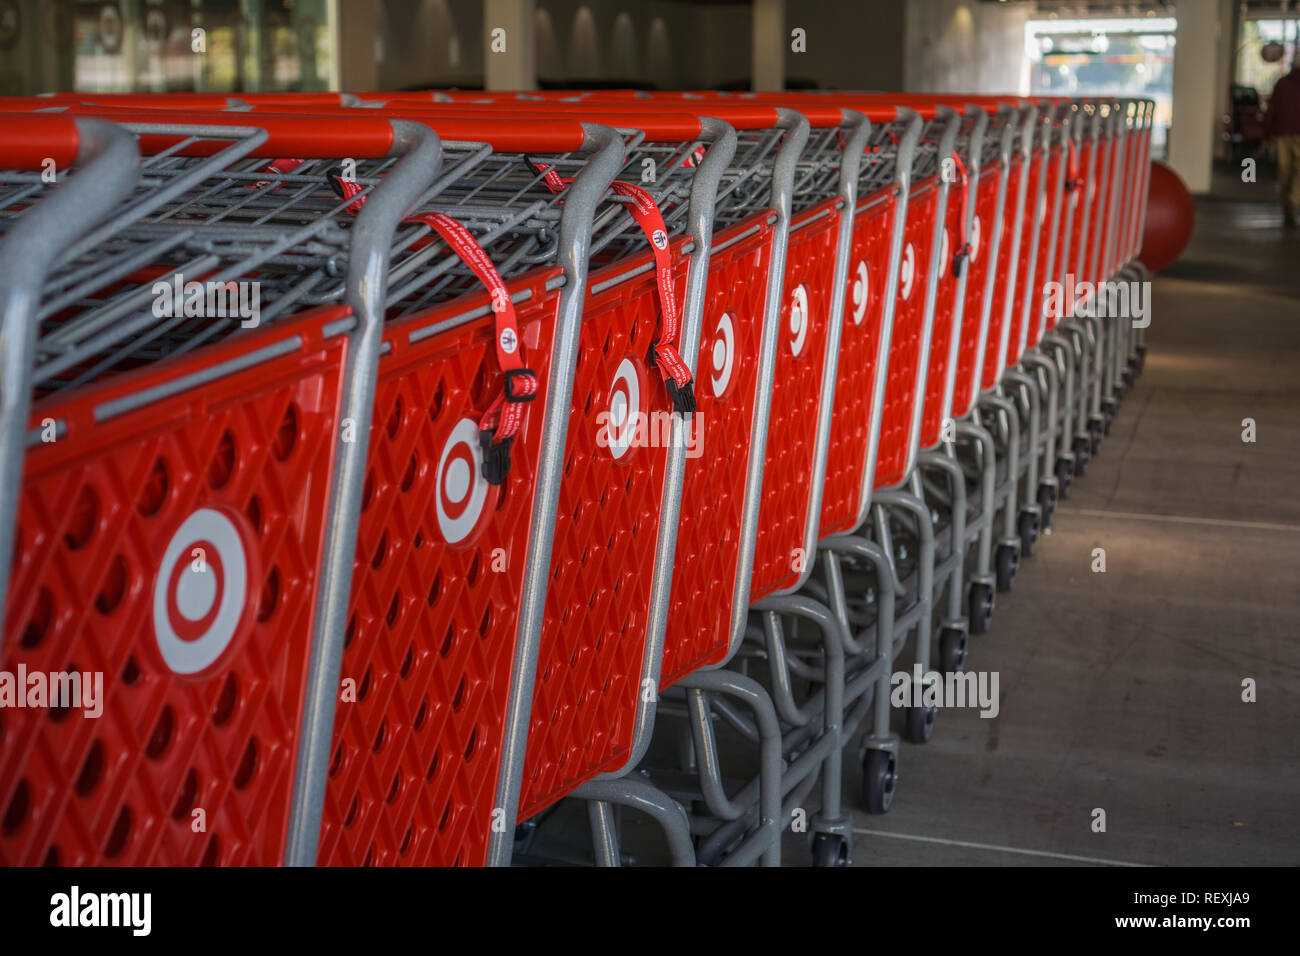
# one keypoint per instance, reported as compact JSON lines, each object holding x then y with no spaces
{"x":1180,"y":519}
{"x":991,"y":846}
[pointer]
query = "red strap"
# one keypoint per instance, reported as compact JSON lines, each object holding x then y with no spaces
{"x":963,"y":252}
{"x":280,"y":166}
{"x":676,"y":375}
{"x":1072,"y":178}
{"x":505,"y":416}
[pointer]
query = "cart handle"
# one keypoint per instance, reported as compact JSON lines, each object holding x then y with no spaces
{"x":355,"y":133}
{"x":27,"y":140}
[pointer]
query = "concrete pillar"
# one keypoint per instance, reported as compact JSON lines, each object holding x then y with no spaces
{"x":769,"y":42}
{"x":1225,"y":70}
{"x":356,"y":36}
{"x":509,"y":47}
{"x":1197,"y":103}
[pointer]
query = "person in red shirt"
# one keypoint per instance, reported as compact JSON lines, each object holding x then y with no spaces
{"x":1282,"y":126}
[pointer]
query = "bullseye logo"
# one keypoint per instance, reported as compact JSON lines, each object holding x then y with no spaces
{"x":974,"y":238}
{"x":660,"y":239}
{"x":723,"y":354}
{"x":200,"y":595}
{"x":462,"y":491}
{"x":798,"y":318}
{"x":624,"y":409}
{"x":907,"y":271}
{"x":861,"y":292}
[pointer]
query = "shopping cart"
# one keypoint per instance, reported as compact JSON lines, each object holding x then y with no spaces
{"x":151,"y":483}
{"x":679,"y":164}
{"x":597,"y":712}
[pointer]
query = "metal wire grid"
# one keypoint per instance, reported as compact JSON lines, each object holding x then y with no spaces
{"x":817,"y":173}
{"x":879,"y":166}
{"x":215,"y":220}
{"x":991,"y":150}
{"x":927,"y":161}
{"x":746,"y":185}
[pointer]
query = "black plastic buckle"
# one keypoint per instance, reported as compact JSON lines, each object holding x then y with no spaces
{"x":511,"y":374}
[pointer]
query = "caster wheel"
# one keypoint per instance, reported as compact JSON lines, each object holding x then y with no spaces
{"x":830,"y":849}
{"x":879,"y":779}
{"x":1095,"y":432}
{"x":1006,"y":563}
{"x":1064,"y":472}
{"x":1082,"y":454}
{"x":1027,"y":527}
{"x":1046,"y":504}
{"x":952,"y":650}
{"x":981,"y":608}
{"x":919,"y":727}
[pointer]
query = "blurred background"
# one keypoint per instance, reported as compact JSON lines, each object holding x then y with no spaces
{"x":1209,"y":64}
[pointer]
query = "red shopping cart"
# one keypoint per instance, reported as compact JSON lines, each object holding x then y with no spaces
{"x":170,"y":537}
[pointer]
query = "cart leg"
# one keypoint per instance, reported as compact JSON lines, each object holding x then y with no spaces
{"x":640,"y":795}
{"x":954,"y":626}
{"x":982,"y":581}
{"x":1007,"y":558}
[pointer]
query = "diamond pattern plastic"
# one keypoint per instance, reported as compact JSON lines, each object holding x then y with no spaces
{"x":796,"y":398}
{"x":713,"y":497}
{"x":905,"y":342}
{"x":864,"y":306}
{"x":602,"y":564}
{"x":436,"y":591}
{"x":174,"y":549}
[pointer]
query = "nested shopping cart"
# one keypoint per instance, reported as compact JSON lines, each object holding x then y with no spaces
{"x":617,"y":716}
{"x":872,"y":189}
{"x":595,"y":694}
{"x":181,"y":488}
{"x":748,"y":329}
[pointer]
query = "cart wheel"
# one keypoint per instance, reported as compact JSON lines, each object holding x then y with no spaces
{"x":1046,"y":504}
{"x":1027,"y":526}
{"x":1095,"y":433}
{"x":919,"y":724}
{"x":1006,"y":563}
{"x":879,"y":779}
{"x":1064,"y":472}
{"x":830,"y":849}
{"x":1082,"y":452}
{"x":952,"y":650}
{"x":1142,"y":358}
{"x":981,"y":608}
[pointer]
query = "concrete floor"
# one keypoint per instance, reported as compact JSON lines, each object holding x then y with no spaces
{"x":1122,"y":690}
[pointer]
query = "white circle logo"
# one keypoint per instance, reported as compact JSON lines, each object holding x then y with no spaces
{"x":861,"y":292}
{"x":723,"y":354}
{"x":798,"y":318}
{"x":200,"y":593}
{"x":974,"y":238}
{"x":461,"y":490}
{"x":509,"y":341}
{"x":660,"y":239}
{"x":907,"y":271}
{"x":624,"y":409}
